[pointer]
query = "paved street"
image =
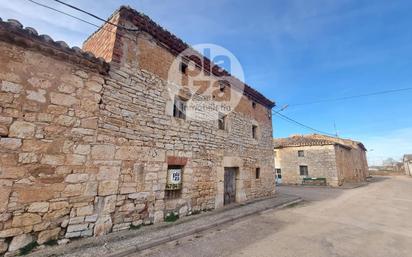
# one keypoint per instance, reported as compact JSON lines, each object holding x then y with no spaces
{"x":375,"y":220}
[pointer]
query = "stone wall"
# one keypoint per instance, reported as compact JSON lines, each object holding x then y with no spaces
{"x":336,"y":163}
{"x":84,"y":151}
{"x":351,"y":164}
{"x":321,"y":162}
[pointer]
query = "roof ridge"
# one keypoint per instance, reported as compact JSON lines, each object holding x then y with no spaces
{"x":177,"y":45}
{"x":11,"y":29}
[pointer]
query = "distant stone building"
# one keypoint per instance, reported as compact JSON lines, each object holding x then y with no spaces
{"x":407,"y":164}
{"x":316,"y":156}
{"x":93,"y":142}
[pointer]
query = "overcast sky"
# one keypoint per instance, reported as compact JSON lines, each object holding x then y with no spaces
{"x":293,"y":51}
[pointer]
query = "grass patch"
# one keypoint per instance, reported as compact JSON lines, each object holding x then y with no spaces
{"x":171,"y":217}
{"x":51,"y":242}
{"x":28,"y":248}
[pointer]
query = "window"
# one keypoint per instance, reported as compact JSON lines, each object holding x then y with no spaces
{"x":254,"y":131}
{"x":276,"y":154}
{"x":301,"y":153}
{"x":279,"y":173}
{"x":222,"y":121}
{"x":179,"y":108}
{"x":174,"y":182}
{"x":304,"y":170}
{"x":254,"y":105}
{"x":183,"y":67}
{"x":257,"y":173}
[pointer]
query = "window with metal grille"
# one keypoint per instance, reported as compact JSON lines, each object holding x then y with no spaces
{"x":304,"y":171}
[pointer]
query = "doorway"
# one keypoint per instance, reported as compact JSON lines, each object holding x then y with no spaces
{"x":278,"y":176}
{"x":230,"y":185}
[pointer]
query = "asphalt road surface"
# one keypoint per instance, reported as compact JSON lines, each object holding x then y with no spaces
{"x":374,"y":220}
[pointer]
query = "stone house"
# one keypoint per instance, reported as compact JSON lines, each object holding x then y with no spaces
{"x":407,"y":164}
{"x":316,"y":156}
{"x":92,"y":142}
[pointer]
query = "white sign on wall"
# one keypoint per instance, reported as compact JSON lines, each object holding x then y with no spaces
{"x":174,"y":178}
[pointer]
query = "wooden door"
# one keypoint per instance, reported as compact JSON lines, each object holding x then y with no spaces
{"x":230,"y":185}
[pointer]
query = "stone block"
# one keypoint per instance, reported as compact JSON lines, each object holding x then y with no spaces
{"x":128,"y":153}
{"x":76,"y":178}
{"x":26,"y":158}
{"x":47,"y":235}
{"x":84,"y":211}
{"x":108,"y":173}
{"x":11,"y":87}
{"x":73,"y":190}
{"x":38,"y":96}
{"x":53,"y":159}
{"x":4,"y":197}
{"x":76,"y":220}
{"x":92,"y":218}
{"x":22,"y":129}
{"x":39,"y":207}
{"x":108,"y":187}
{"x":11,"y":232}
{"x":20,"y":241}
{"x":103,"y":225}
{"x":63,"y":99}
{"x":82,"y":149}
{"x":10,"y":143}
{"x":12,"y":172}
{"x":103,"y":152}
{"x":91,"y":189}
{"x":3,"y":246}
{"x":58,"y":205}
{"x":139,"y":196}
{"x":77,"y":227}
{"x":26,"y":219}
{"x":4,"y":130}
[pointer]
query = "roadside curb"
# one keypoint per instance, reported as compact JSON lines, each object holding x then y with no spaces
{"x":166,"y":239}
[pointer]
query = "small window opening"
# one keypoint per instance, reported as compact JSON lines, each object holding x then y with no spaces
{"x":254,"y":131}
{"x":183,"y":67}
{"x":222,"y":121}
{"x":304,"y":170}
{"x":179,"y":108}
{"x":254,"y":105}
{"x":301,"y":153}
{"x":257,"y":173}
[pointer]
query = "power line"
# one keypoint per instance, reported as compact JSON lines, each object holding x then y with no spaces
{"x":354,"y":96}
{"x":93,"y":15}
{"x":67,"y":14}
{"x":77,"y":18}
{"x":301,"y":124}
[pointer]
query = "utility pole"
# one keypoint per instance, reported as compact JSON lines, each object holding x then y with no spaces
{"x":336,"y":131}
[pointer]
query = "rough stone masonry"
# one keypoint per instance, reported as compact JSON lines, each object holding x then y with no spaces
{"x":87,"y":138}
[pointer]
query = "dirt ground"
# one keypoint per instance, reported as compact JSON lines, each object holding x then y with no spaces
{"x":374,"y":220}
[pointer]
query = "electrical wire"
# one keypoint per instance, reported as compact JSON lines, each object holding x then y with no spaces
{"x":284,"y":117}
{"x":93,"y":15}
{"x":79,"y":19}
{"x":67,"y":14}
{"x":354,"y":96}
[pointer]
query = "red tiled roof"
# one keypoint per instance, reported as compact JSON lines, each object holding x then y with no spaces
{"x":315,"y":139}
